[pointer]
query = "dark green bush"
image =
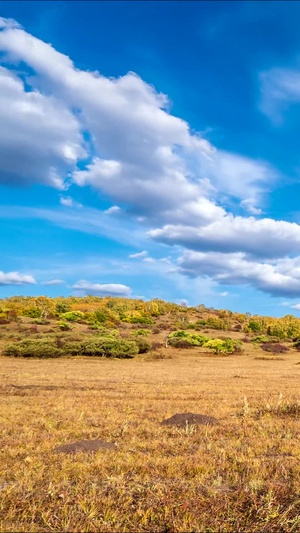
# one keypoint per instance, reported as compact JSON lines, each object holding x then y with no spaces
{"x":32,"y":312}
{"x":62,"y":307}
{"x":143,"y":345}
{"x":254,"y":326}
{"x":103,"y":347}
{"x":41,"y":348}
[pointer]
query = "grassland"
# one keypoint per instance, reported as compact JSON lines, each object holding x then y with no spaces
{"x":241,"y":475}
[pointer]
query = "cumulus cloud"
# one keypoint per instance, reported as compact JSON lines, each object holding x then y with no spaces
{"x":111,"y":289}
{"x":53,"y":282}
{"x":279,"y":279}
{"x":40,"y":140}
{"x":261,"y":238}
{"x":150,"y":160}
{"x":15,"y":278}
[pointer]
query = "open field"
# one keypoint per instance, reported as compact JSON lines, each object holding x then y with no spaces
{"x":240,"y":475}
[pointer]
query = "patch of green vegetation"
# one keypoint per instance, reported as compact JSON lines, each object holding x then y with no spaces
{"x":103,"y":347}
{"x":72,"y":316}
{"x":193,"y":339}
{"x":141,"y":332}
{"x":41,"y":348}
{"x":226,"y":346}
{"x":138,"y":320}
{"x":64,"y":326}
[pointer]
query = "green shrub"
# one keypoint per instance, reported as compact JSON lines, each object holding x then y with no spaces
{"x":62,"y":307}
{"x":143,"y":345}
{"x":175,"y":339}
{"x":103,"y":347}
{"x":141,"y":332}
{"x":138,"y":320}
{"x":216,"y":323}
{"x":226,"y":346}
{"x":32,"y":312}
{"x":260,"y":338}
{"x":64,"y":326}
{"x":100,"y":316}
{"x":45,"y":347}
{"x":72,"y":316}
{"x":254,"y":326}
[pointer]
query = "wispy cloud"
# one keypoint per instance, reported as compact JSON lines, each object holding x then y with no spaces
{"x":53,"y":282}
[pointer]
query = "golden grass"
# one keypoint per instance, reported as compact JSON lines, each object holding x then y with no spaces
{"x":242,"y":475}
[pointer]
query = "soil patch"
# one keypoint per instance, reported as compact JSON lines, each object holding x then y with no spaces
{"x":85,"y":446}
{"x":182,"y":419}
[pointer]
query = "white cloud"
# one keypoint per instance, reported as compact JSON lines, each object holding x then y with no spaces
{"x":113,"y":289}
{"x":67,"y":201}
{"x":139,"y":254}
{"x":278,"y":279}
{"x":249,"y":206}
{"x":262,"y":238}
{"x":113,"y":210}
{"x":296,"y":306}
{"x":15,"y":278}
{"x":53,"y":282}
{"x":150,"y":160}
{"x":40,"y":138}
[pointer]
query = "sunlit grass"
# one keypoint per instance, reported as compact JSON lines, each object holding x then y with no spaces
{"x":241,"y":475}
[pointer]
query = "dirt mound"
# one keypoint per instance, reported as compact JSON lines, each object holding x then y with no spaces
{"x":182,"y":419}
{"x":85,"y":446}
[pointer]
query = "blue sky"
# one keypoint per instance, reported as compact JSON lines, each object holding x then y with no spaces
{"x":150,"y":149}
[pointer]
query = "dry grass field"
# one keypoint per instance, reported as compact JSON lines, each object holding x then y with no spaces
{"x":240,"y":475}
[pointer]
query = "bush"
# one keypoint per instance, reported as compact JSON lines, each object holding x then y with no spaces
{"x":73,"y":316}
{"x":41,"y":348}
{"x":103,"y":347}
{"x":32,"y":312}
{"x":181,"y":343}
{"x":260,"y":338}
{"x":225,"y":346}
{"x":62,"y":307}
{"x":141,"y":332}
{"x":64,"y":326}
{"x":143,"y":345}
{"x":216,"y":323}
{"x":254,"y":326}
{"x":138,"y":320}
{"x":176,"y":339}
{"x":274,"y":347}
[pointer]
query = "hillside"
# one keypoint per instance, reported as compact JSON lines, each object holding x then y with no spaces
{"x":121,"y":327}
